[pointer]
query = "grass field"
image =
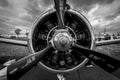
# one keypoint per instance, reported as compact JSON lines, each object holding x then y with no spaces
{"x":111,"y":50}
{"x":8,"y":52}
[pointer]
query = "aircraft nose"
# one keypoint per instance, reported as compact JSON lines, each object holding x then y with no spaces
{"x":62,"y":40}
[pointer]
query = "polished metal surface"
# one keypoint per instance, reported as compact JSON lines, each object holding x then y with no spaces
{"x":14,"y":42}
{"x":62,"y":40}
{"x":59,"y":41}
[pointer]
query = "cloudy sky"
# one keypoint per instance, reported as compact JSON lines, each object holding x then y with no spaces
{"x":22,"y":13}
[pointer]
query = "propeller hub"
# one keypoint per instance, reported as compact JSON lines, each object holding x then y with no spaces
{"x":62,"y":40}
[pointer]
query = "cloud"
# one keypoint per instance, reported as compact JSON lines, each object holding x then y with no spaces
{"x":105,"y":16}
{"x":19,"y":6}
{"x":115,"y":24}
{"x":22,"y":12}
{"x":4,"y":3}
{"x":100,"y":13}
{"x":106,"y":10}
{"x":88,"y":4}
{"x":36,"y":7}
{"x":3,"y":27}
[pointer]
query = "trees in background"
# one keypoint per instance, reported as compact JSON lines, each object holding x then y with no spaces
{"x":27,"y":33}
{"x":17,"y":32}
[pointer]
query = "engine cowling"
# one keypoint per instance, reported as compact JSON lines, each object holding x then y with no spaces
{"x":44,"y":32}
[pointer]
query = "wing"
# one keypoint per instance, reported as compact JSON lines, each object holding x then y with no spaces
{"x":14,"y":42}
{"x":24,"y":43}
{"x":107,"y":42}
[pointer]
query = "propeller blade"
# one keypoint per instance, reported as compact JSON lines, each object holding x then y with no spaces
{"x":19,"y":68}
{"x":107,"y":63}
{"x":60,"y":10}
